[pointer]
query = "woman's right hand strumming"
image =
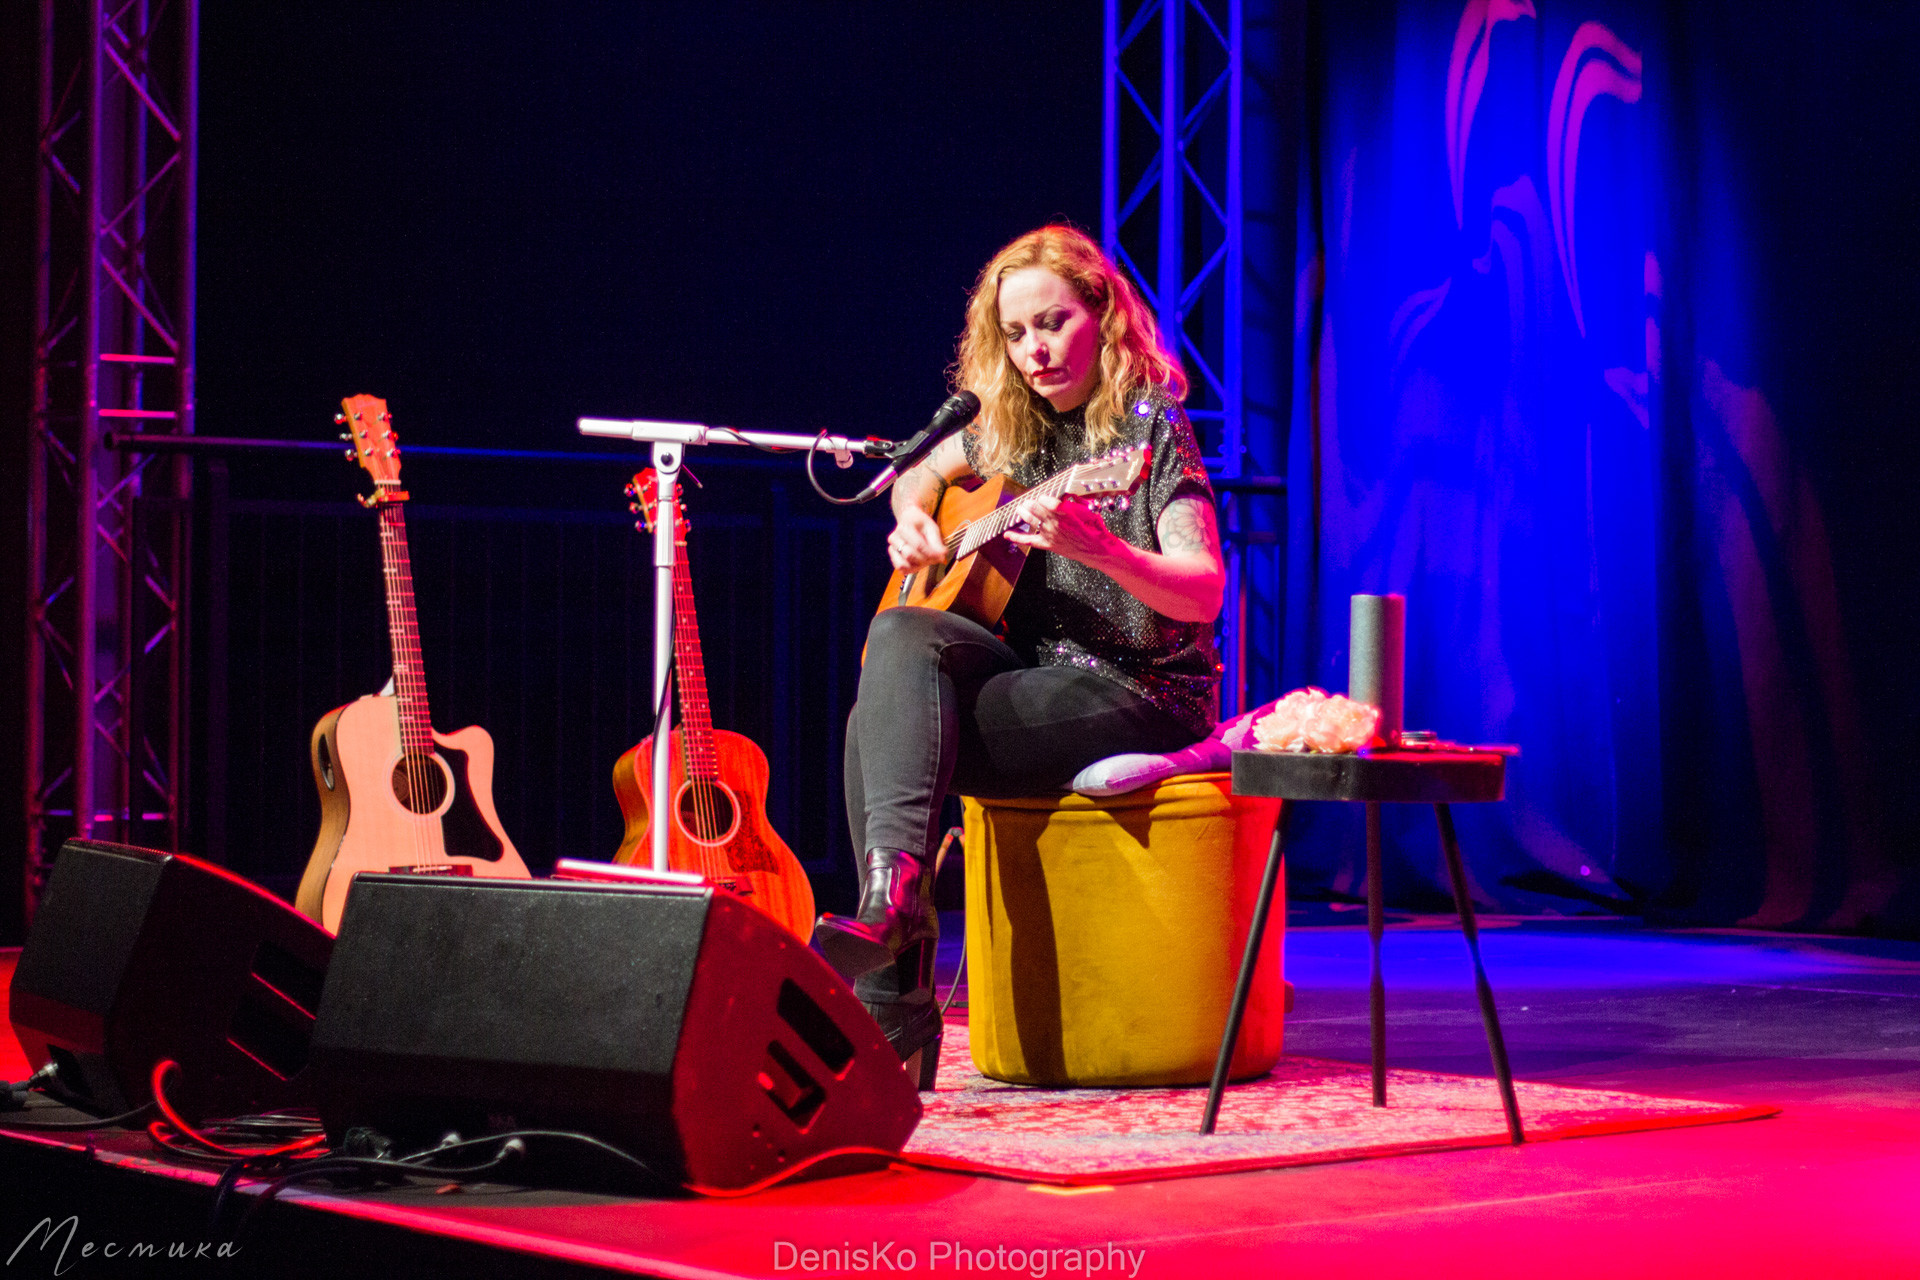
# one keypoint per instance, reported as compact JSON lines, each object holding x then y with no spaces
{"x":915,"y":541}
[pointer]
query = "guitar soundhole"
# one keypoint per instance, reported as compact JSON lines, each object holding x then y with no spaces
{"x":420,"y":782}
{"x":707,"y":812}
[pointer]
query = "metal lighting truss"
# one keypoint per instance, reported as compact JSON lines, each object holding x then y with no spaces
{"x":1171,"y":205}
{"x":108,"y":553}
{"x":1171,"y":213}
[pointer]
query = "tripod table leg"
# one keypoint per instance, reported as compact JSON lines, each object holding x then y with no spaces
{"x":1275,"y":855}
{"x":1496,"y":1043}
{"x":1377,"y":987}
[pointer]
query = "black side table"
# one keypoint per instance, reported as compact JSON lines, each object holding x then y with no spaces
{"x":1438,"y":778}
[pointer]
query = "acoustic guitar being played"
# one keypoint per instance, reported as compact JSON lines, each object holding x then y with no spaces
{"x":395,"y":795}
{"x":981,"y":568}
{"x":718,"y":780}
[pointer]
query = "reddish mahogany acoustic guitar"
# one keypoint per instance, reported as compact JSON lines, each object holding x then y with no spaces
{"x":719,"y":825}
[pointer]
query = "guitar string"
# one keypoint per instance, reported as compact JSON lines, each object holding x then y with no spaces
{"x":672,"y":817}
{"x":407,"y":677}
{"x":396,"y":625}
{"x":688,"y":766}
{"x":422,"y":753}
{"x":1001,"y":519}
{"x":702,"y":725}
{"x":687,"y":639}
{"x":418,"y":725}
{"x":977,"y":533}
{"x":709,"y":763}
{"x":397,"y":642}
{"x":690,"y":694}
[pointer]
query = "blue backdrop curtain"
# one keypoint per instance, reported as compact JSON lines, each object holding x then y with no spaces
{"x":1588,"y":328}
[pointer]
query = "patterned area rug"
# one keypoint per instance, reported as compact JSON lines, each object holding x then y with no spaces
{"x":1307,"y":1111}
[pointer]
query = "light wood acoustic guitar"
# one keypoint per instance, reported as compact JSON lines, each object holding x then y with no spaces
{"x":394,"y":794}
{"x":718,"y":779}
{"x":981,"y":568}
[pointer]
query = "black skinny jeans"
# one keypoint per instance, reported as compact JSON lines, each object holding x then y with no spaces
{"x":944,"y":707}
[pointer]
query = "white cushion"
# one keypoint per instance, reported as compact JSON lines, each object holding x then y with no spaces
{"x":1133,"y":770}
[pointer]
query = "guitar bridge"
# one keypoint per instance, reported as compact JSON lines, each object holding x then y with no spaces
{"x":433,"y":869}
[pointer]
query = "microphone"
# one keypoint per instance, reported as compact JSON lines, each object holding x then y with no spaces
{"x":961,"y":408}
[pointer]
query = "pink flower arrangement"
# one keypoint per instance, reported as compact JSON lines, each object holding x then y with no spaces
{"x":1313,"y":720}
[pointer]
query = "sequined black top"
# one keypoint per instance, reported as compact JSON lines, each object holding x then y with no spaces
{"x":1064,"y":613}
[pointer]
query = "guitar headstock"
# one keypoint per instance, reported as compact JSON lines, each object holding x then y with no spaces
{"x":643,"y":499}
{"x":1108,"y":481}
{"x":369,"y":429}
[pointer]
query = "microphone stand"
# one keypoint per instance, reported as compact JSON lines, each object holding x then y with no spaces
{"x":669,"y":441}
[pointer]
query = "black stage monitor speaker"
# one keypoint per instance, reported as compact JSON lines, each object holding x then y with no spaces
{"x":677,"y":1023}
{"x":136,"y":955}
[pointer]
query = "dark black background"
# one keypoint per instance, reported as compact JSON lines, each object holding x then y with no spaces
{"x":502,"y":217}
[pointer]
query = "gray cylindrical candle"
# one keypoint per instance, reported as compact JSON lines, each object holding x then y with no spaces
{"x":1377,"y":659}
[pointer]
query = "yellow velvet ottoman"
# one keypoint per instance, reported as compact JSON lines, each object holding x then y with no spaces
{"x":1104,"y":936}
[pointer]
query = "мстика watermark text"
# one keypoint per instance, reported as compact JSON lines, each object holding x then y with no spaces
{"x":60,"y":1244}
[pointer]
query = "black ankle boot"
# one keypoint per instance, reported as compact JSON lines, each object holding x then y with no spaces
{"x":895,"y":912}
{"x":900,"y":997}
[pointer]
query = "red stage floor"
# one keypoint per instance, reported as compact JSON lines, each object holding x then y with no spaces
{"x":1831,"y":1187}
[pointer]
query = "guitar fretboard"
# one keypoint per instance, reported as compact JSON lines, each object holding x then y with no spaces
{"x":1109,"y":476}
{"x":696,"y":720}
{"x":403,"y":629}
{"x":975,"y":534}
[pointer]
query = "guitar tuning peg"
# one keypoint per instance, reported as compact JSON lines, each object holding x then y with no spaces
{"x":1122,"y":502}
{"x":349,"y":453}
{"x":339,"y":417}
{"x":386,"y":417}
{"x":346,"y":437}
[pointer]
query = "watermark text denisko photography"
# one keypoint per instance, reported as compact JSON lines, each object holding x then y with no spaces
{"x":884,"y":1256}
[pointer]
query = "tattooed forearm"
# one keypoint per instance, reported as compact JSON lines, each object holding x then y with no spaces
{"x":1184,"y":579}
{"x":1187,"y":527}
{"x":921,"y":486}
{"x":924,"y":483}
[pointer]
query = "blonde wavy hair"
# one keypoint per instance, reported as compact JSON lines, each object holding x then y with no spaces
{"x":1012,"y":420}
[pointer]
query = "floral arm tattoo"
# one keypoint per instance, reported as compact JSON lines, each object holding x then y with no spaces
{"x":1186,"y":527}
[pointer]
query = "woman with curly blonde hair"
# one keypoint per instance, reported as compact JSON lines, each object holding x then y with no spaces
{"x":1131,"y":358}
{"x":1107,"y":643}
